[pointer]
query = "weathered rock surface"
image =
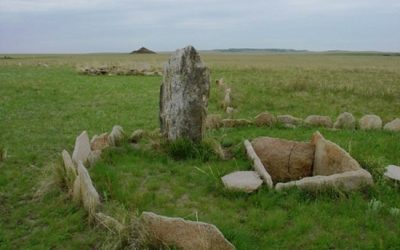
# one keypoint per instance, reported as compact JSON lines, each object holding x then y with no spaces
{"x":233,"y":123}
{"x":370,"y":122}
{"x":351,"y":180}
{"x":265,"y":119}
{"x":284,"y":160}
{"x":70,"y":169}
{"x":345,"y":121}
{"x":116,"y":136}
{"x":90,"y":197}
{"x":164,"y":231}
{"x":227,"y":98}
{"x":246,"y":181}
{"x":99,"y":142}
{"x":392,"y":172}
{"x":81,"y":149}
{"x":318,"y":120}
{"x":393,"y":125}
{"x":136,"y":136}
{"x":289,"y":120}
{"x":257,"y":164}
{"x":330,"y":158}
{"x":213,"y":121}
{"x":184,"y":96}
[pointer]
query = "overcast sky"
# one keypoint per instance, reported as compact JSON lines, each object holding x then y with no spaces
{"x":56,"y":26}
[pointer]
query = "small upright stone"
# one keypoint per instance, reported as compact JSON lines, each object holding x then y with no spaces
{"x":99,"y":142}
{"x":184,"y":96}
{"x":82,"y":148}
{"x":370,"y":122}
{"x":116,"y":136}
{"x":345,"y":121}
{"x":393,"y":126}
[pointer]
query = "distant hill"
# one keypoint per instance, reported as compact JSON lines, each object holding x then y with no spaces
{"x":249,"y":50}
{"x":143,"y":50}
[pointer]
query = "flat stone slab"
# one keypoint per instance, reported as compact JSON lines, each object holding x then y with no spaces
{"x":246,"y":181}
{"x":392,"y":172}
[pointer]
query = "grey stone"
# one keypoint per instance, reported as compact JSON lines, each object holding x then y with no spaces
{"x":99,"y":142}
{"x":88,"y":194}
{"x":82,"y":148}
{"x":163,"y":231}
{"x":392,"y":172}
{"x":246,"y":181}
{"x":289,"y":120}
{"x":370,"y":122}
{"x":393,"y":126}
{"x":70,"y":169}
{"x":184,"y":95}
{"x":257,"y":164}
{"x":348,"y":181}
{"x":116,"y":136}
{"x":329,"y":158}
{"x":233,"y":123}
{"x":345,"y":121}
{"x":319,"y":121}
{"x":265,"y":119}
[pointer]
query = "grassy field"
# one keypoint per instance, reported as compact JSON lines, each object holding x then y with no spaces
{"x":45,"y":104}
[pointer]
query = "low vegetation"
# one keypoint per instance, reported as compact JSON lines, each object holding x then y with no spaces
{"x":43,"y":109}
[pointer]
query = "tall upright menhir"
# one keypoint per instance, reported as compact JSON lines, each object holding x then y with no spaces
{"x":184,"y":96}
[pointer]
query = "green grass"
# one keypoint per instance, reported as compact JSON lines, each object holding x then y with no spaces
{"x":42,"y":110}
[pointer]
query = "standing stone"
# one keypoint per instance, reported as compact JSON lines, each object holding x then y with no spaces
{"x":184,"y":96}
{"x":82,"y":148}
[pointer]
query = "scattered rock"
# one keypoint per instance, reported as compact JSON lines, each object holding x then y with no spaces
{"x":393,"y":125}
{"x":345,"y":121}
{"x":184,"y":96}
{"x":392,"y":172}
{"x":370,"y":122}
{"x":116,"y":136}
{"x":88,"y":194}
{"x":213,"y":121}
{"x":99,"y":142}
{"x":330,"y":158}
{"x":289,"y":120}
{"x":164,"y":231}
{"x":319,"y":121}
{"x":257,"y":164}
{"x":265,"y":119}
{"x":348,"y":181}
{"x":136,"y":136}
{"x":284,"y":160}
{"x":81,"y":149}
{"x":233,"y":123}
{"x":246,"y":181}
